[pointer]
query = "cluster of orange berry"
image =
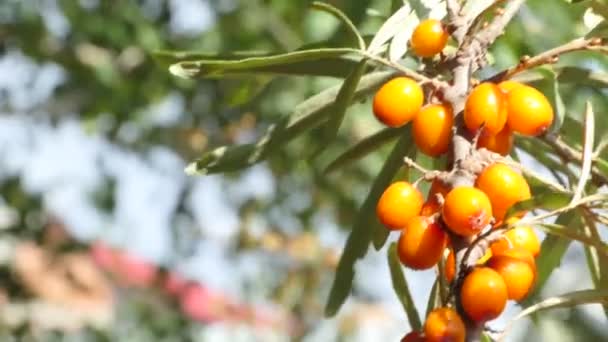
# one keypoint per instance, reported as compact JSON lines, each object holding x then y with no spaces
{"x":493,"y":112}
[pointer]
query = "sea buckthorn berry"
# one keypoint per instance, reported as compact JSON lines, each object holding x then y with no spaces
{"x":413,"y":336}
{"x":518,"y":237}
{"x":444,"y":325}
{"x":517,"y":274}
{"x":486,"y":106}
{"x":508,"y":85}
{"x":466,"y":210}
{"x":421,"y":243}
{"x":530,"y":113}
{"x":501,"y":143}
{"x":432,"y":129}
{"x":503,"y":186}
{"x":400,"y":202}
{"x":483,"y":294}
{"x":520,"y":254}
{"x":429,"y":38}
{"x":398,"y":101}
{"x":450,"y":266}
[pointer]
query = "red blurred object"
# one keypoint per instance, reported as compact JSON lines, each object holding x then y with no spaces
{"x":202,"y":305}
{"x":103,"y":255}
{"x":131,"y":270}
{"x":174,"y":284}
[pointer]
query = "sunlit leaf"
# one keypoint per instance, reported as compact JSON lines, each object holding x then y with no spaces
{"x":402,"y":289}
{"x":313,"y":62}
{"x":575,"y":234}
{"x":567,"y":300}
{"x":390,"y":28}
{"x":550,"y":200}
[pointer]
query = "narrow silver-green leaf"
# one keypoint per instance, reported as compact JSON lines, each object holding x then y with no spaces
{"x":567,"y":300}
{"x":433,"y":301}
{"x":363,"y":148}
{"x":301,"y":62}
{"x":308,"y":114}
{"x":390,"y":27}
{"x":597,"y":263}
{"x":574,"y":234}
{"x":550,"y":200}
{"x":402,"y":289}
{"x":567,"y":74}
{"x":360,"y":237}
{"x":343,"y":18}
{"x":343,"y":101}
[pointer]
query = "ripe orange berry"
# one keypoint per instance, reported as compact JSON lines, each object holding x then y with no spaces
{"x":398,"y":204}
{"x":432,"y":129}
{"x":508,"y":85}
{"x":517,"y":274}
{"x":450,"y":266}
{"x":444,"y":325}
{"x":486,"y":106}
{"x":501,"y":143}
{"x":503,"y":186}
{"x":483,"y":294}
{"x":413,"y":336}
{"x":398,"y":101}
{"x":530,"y":113}
{"x":520,"y":254}
{"x":429,"y":38}
{"x":466,"y":210}
{"x":421,"y":243}
{"x":518,"y":237}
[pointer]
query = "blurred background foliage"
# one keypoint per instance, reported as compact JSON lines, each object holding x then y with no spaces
{"x":95,"y":133}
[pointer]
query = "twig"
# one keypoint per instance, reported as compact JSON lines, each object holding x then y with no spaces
{"x":411,"y":163}
{"x":544,"y":58}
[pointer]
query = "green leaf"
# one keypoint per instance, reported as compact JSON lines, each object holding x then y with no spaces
{"x":360,"y":237}
{"x":434,"y":300}
{"x":574,"y":234}
{"x":343,"y":101}
{"x":168,"y":57}
{"x":396,"y":5}
{"x":549,"y":200}
{"x":363,"y":148}
{"x":390,"y":28}
{"x":567,"y":300}
{"x":343,"y":18}
{"x":393,"y":163}
{"x":552,"y":251}
{"x":402,"y":289}
{"x":308,"y":114}
{"x":600,"y":31}
{"x":314,"y":62}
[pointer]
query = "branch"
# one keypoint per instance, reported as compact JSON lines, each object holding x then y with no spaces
{"x":547,"y":57}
